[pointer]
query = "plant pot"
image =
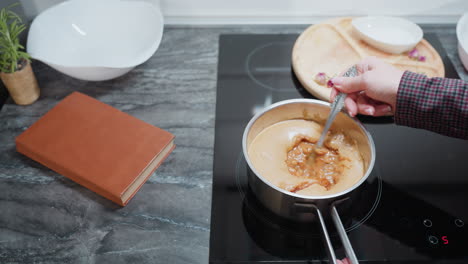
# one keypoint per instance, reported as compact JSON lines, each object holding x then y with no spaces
{"x":22,"y":85}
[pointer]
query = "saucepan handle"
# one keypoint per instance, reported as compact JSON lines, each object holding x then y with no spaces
{"x":327,"y":240}
{"x":331,"y":251}
{"x":343,"y":236}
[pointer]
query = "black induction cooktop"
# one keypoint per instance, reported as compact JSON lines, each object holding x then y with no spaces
{"x":412,"y":209}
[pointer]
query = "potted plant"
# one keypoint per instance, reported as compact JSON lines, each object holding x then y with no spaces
{"x":15,"y":64}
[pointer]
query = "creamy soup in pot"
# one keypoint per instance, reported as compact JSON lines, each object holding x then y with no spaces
{"x":282,"y":153}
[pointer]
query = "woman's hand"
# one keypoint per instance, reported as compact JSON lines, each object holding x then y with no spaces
{"x":343,"y":261}
{"x":373,"y":92}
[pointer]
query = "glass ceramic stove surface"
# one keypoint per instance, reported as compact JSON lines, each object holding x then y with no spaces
{"x":412,"y":209}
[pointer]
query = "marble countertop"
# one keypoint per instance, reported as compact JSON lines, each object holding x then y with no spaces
{"x":46,"y":218}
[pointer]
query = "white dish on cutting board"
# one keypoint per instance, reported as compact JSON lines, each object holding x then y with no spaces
{"x":462,"y":37}
{"x":390,"y":34}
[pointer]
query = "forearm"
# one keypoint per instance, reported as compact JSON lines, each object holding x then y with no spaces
{"x":436,"y":104}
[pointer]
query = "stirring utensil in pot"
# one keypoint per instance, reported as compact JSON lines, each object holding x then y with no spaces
{"x":336,"y":107}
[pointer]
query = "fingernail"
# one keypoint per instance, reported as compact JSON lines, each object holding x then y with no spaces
{"x":351,"y":114}
{"x":337,"y":81}
{"x":369,"y":111}
{"x":330,"y":84}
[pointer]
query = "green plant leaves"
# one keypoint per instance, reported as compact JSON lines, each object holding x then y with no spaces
{"x":11,"y":52}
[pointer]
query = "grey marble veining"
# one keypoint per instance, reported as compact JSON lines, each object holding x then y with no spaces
{"x":46,"y":218}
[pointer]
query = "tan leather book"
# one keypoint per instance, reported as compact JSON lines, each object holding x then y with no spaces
{"x":97,"y":146}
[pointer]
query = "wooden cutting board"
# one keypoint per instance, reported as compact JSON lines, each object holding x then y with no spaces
{"x":333,"y":46}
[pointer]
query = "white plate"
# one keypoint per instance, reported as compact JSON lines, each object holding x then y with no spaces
{"x":462,"y":36}
{"x":96,"y":40}
{"x":390,"y":34}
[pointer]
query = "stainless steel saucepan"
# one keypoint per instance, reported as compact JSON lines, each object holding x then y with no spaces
{"x":300,"y":207}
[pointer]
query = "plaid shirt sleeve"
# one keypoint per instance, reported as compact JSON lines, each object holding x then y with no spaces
{"x":436,"y":104}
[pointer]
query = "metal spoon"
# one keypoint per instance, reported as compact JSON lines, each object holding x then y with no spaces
{"x":335,"y":108}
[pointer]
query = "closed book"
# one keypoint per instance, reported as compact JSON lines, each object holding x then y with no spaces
{"x":98,"y":146}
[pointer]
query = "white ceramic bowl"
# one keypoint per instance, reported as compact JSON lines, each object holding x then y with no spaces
{"x":390,"y":34}
{"x":96,"y":40}
{"x":462,"y":36}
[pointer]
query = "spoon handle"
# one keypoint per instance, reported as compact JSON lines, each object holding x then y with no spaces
{"x":336,"y":107}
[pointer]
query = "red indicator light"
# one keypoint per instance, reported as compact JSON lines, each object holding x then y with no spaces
{"x":445,"y":239}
